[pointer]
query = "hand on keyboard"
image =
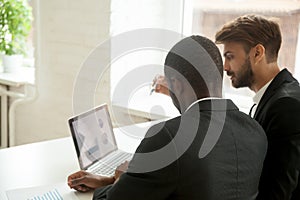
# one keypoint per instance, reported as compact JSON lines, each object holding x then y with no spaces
{"x":121,"y":169}
{"x":83,"y":181}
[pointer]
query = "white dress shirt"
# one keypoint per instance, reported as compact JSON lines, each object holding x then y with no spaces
{"x":257,"y":97}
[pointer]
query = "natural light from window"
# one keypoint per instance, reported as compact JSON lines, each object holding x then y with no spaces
{"x":195,"y":17}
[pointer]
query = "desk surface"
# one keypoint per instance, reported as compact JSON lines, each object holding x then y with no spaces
{"x":50,"y":162}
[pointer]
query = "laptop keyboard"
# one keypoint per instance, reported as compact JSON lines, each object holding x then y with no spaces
{"x":108,"y":165}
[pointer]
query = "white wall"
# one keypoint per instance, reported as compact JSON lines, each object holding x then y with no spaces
{"x":66,"y":32}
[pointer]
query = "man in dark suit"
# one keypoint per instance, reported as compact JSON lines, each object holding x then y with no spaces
{"x":212,"y":151}
{"x":251,"y":46}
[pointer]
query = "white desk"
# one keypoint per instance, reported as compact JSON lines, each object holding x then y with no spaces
{"x":50,"y":162}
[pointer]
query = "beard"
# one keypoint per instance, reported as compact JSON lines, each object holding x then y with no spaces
{"x":244,"y":77}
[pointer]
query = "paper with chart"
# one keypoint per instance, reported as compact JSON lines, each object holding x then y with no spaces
{"x":52,"y":192}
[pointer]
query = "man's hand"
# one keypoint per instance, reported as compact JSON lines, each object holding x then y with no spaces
{"x":120,"y":170}
{"x":83,"y":181}
{"x":160,"y":85}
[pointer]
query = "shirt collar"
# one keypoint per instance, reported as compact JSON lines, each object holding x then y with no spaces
{"x":206,"y":98}
{"x":257,"y":97}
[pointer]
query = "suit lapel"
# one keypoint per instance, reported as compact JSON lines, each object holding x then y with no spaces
{"x":283,"y":76}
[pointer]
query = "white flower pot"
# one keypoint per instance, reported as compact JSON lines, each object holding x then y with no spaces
{"x":11,"y":63}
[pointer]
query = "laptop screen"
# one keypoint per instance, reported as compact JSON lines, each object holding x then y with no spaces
{"x":93,"y":135}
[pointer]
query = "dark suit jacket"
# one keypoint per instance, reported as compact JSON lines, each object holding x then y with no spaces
{"x":279,"y":114}
{"x":211,"y":152}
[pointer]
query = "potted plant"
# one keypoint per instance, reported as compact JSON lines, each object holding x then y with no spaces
{"x":15,"y":25}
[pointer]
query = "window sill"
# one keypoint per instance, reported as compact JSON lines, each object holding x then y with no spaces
{"x":151,"y":107}
{"x":25,"y":75}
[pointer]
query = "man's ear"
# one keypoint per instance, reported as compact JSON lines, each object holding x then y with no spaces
{"x":177,"y":85}
{"x":259,"y":53}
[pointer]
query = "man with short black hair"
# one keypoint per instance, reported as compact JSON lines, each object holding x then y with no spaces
{"x":212,"y":151}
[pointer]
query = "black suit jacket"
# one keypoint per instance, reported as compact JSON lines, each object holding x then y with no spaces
{"x":279,"y":114}
{"x":211,"y":152}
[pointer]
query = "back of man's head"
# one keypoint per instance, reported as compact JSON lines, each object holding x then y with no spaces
{"x":197,"y":60}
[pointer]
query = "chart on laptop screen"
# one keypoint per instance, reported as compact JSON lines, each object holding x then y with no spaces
{"x":91,"y":145}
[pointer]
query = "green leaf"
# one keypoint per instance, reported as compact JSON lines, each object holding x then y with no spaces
{"x":15,"y":25}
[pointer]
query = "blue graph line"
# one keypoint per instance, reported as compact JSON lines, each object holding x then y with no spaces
{"x":51,"y":195}
{"x":48,"y":196}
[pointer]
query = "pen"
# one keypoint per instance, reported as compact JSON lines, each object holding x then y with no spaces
{"x":153,"y":88}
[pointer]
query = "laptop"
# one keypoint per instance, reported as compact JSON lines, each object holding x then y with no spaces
{"x":95,"y":142}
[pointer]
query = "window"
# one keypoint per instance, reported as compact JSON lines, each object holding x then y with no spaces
{"x":188,"y":17}
{"x":297,"y":61}
{"x":26,"y":60}
{"x":137,"y":19}
{"x":29,"y":57}
{"x":209,"y":17}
